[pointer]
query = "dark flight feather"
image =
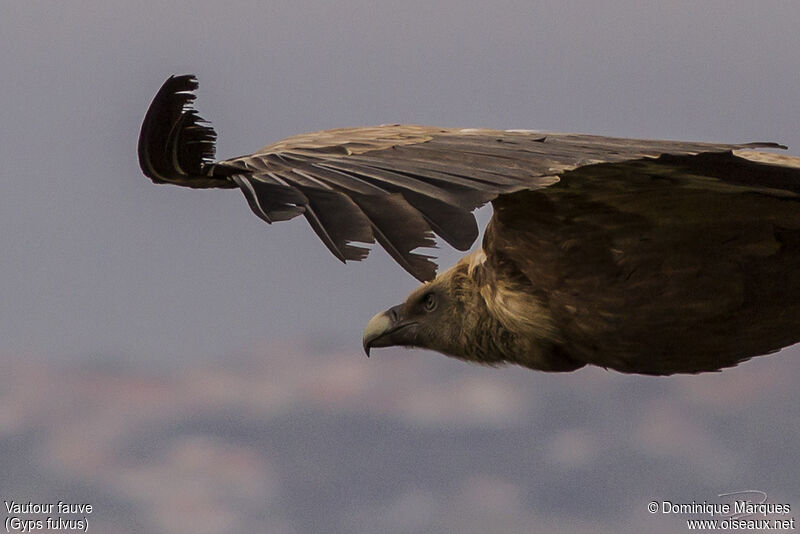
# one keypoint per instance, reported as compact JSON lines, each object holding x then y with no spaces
{"x":638,"y":255}
{"x":338,"y":222}
{"x":175,"y":143}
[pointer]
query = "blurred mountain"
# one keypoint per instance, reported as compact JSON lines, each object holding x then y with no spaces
{"x":290,"y":439}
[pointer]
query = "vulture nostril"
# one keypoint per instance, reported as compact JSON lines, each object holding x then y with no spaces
{"x":393,"y":315}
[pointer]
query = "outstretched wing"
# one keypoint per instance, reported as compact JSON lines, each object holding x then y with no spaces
{"x":397,"y":185}
{"x":675,"y":264}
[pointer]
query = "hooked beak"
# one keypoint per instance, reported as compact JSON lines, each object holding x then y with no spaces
{"x":388,"y":329}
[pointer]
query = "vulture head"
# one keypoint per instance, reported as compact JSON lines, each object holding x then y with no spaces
{"x":430,"y":318}
{"x":468,"y":313}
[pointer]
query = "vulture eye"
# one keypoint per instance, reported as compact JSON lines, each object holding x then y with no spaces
{"x":429,"y":301}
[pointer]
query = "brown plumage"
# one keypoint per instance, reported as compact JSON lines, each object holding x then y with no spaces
{"x":642,"y":256}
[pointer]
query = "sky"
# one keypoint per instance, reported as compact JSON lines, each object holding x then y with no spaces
{"x":98,"y":260}
{"x":100,"y":267}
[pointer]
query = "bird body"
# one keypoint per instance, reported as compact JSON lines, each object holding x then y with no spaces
{"x":653,"y":257}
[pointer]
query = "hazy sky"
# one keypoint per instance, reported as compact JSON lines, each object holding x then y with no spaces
{"x":272,"y":417}
{"x":98,"y":261}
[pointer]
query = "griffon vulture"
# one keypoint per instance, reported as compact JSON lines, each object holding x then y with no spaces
{"x":642,"y":256}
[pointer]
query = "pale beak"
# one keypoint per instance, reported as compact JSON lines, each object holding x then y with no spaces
{"x":388,"y":329}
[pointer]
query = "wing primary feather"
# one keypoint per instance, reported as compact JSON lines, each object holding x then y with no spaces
{"x":175,"y":144}
{"x":271,"y":202}
{"x":252,"y":198}
{"x":400,"y":229}
{"x":339,"y":222}
{"x":319,"y":228}
{"x":453,"y":224}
